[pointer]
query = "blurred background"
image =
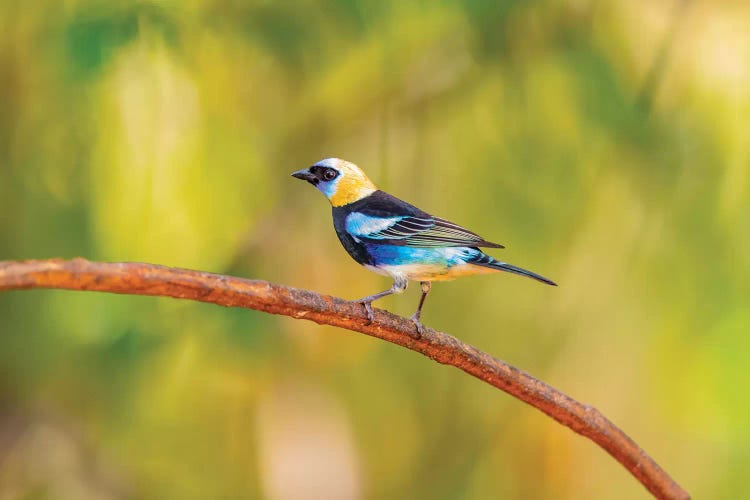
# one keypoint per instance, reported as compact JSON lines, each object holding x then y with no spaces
{"x":605,"y":143}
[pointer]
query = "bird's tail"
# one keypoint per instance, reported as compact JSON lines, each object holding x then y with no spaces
{"x":485,"y":260}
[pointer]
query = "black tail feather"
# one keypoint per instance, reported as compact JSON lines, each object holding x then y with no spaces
{"x":485,"y":260}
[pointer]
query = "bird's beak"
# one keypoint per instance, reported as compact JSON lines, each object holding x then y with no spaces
{"x":305,"y":175}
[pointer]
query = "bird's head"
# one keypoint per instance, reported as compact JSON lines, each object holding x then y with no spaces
{"x":341,"y":181}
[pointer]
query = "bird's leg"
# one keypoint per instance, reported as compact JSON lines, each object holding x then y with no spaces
{"x":399,"y":285}
{"x":426,"y":285}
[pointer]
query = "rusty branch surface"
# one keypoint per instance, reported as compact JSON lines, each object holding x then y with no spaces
{"x":149,"y":279}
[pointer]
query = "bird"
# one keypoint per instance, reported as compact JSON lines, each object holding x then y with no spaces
{"x":394,"y":238}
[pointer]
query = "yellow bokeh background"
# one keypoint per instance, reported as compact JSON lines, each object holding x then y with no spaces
{"x":604,"y":143}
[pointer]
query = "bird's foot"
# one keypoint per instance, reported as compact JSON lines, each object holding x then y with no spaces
{"x":368,"y":309}
{"x":418,"y":324}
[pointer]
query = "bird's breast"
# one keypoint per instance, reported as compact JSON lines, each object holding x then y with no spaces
{"x":431,"y":272}
{"x":354,"y":248}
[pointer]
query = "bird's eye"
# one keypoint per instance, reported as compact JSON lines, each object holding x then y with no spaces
{"x":329,"y":174}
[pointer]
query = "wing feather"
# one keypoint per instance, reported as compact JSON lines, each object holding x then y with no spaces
{"x":421,"y":230}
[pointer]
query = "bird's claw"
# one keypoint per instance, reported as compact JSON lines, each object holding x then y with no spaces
{"x":420,"y":327}
{"x":368,"y":310}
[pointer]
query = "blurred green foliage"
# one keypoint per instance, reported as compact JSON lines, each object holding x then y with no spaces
{"x":165,"y":131}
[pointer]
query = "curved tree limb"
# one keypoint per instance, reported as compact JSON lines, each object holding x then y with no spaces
{"x":149,"y":279}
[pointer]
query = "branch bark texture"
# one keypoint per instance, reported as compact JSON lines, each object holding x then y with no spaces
{"x":149,"y":279}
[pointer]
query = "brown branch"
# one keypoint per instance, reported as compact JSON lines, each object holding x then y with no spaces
{"x":149,"y":279}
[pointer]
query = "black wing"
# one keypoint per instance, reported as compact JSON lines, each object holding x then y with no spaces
{"x":382,"y":218}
